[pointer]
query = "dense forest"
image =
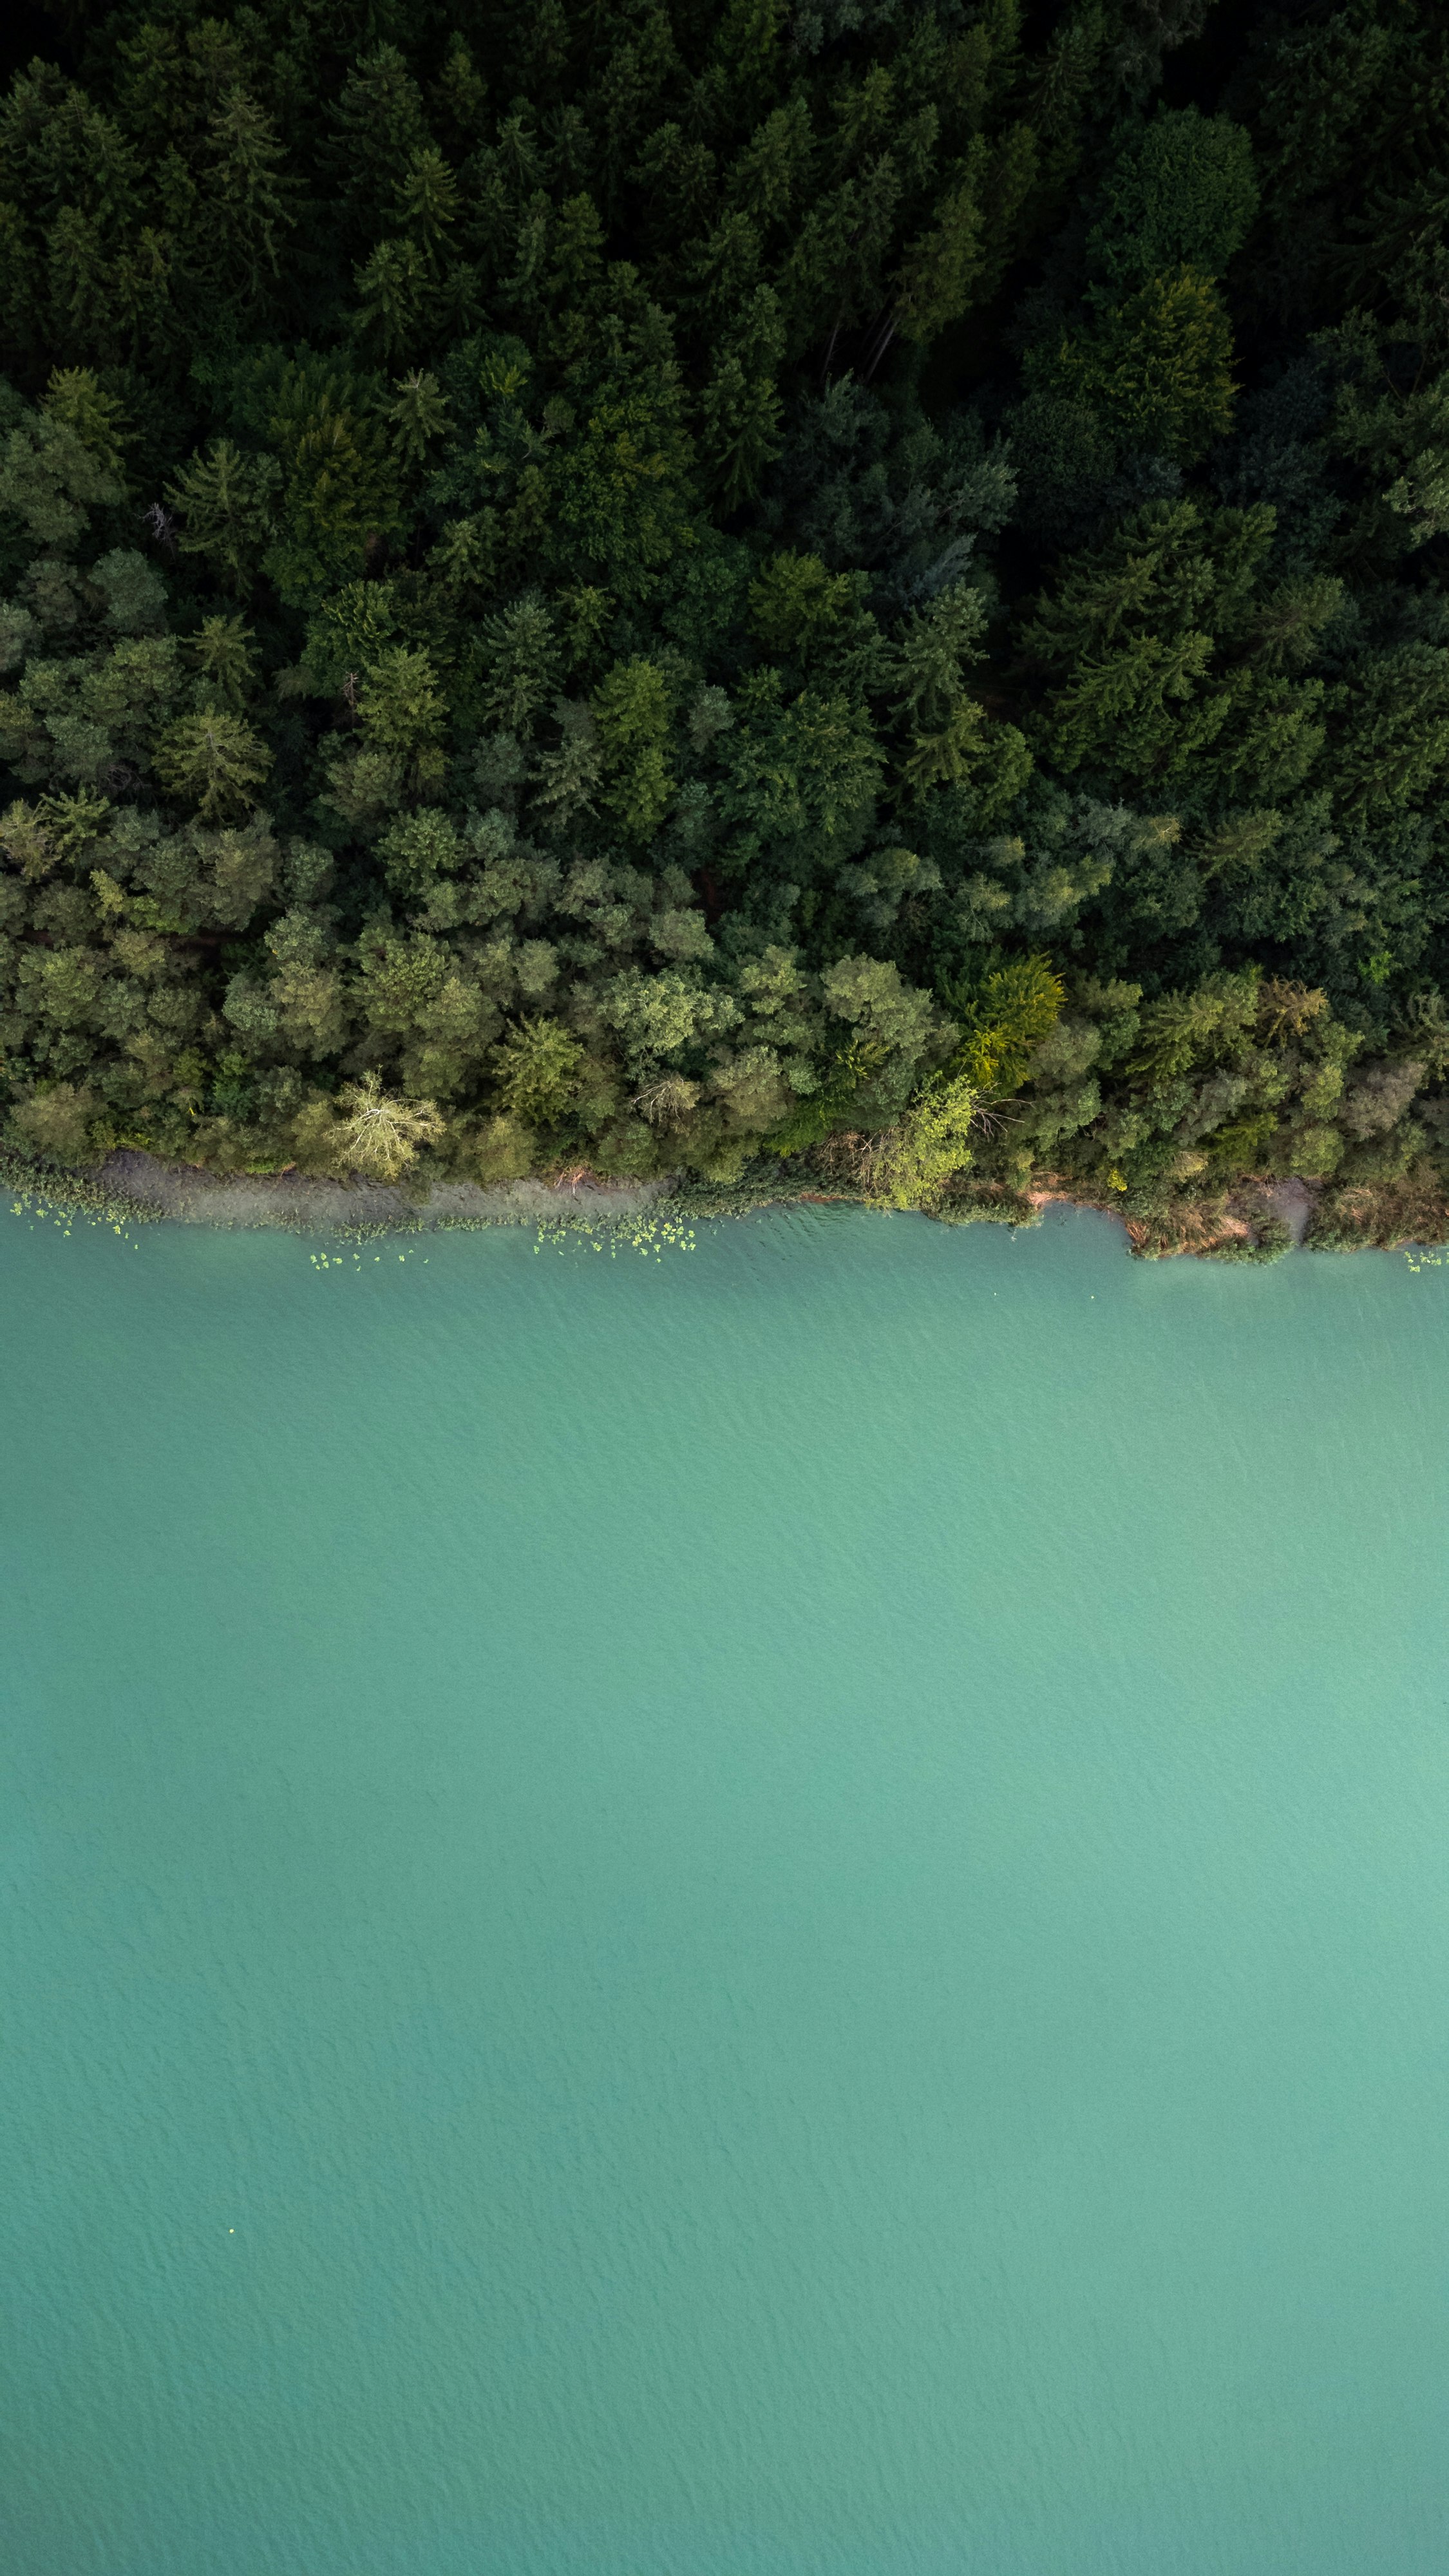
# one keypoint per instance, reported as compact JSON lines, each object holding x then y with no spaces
{"x":841,"y":600}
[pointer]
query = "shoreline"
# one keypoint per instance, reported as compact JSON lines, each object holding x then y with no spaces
{"x":301,"y":1204}
{"x":1258,"y":1221}
{"x":133,"y":1187}
{"x":1288,"y":1203}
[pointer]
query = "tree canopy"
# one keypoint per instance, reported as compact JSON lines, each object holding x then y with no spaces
{"x":703,"y":590}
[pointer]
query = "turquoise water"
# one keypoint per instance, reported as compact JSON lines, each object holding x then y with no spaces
{"x":780,"y":1913}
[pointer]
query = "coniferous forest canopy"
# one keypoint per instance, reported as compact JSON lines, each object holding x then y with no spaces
{"x":848,"y":599}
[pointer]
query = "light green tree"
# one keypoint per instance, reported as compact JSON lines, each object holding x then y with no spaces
{"x":222,"y":651}
{"x":534,"y":1070}
{"x":214,"y":761}
{"x":631,"y":712}
{"x":931,"y":1145}
{"x":380,"y":1134}
{"x":227,"y":507}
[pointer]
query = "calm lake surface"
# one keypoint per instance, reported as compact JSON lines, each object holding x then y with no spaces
{"x":778,"y":1913}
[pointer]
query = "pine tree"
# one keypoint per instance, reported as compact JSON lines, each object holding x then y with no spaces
{"x":934,"y":282}
{"x":222,"y":651}
{"x":631,"y":711}
{"x":214,"y":761}
{"x":227,"y":504}
{"x":535,"y":1071}
{"x":245,"y":207}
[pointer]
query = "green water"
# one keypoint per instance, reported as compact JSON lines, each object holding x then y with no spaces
{"x":784,"y":1913}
